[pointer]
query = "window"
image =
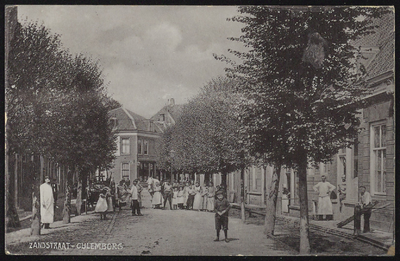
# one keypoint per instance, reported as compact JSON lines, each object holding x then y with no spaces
{"x":114,"y":123}
{"x":125,"y":146}
{"x":125,"y":170}
{"x":145,"y":147}
{"x":139,"y":147}
{"x":162,"y":117}
{"x":378,"y":158}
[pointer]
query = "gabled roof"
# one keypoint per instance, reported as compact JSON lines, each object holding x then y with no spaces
{"x":383,"y":39}
{"x":174,"y":111}
{"x":130,"y":121}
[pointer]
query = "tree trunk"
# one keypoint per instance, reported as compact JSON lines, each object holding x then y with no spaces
{"x":242,"y":206}
{"x":304,"y":224}
{"x":35,"y":226}
{"x":271,"y":202}
{"x":223,"y":180}
{"x":67,"y":201}
{"x":79,"y":195}
{"x":11,"y":214}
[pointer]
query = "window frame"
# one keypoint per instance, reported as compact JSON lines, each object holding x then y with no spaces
{"x":140,"y":147}
{"x":122,"y":169}
{"x":145,"y":147}
{"x":122,"y":146}
{"x":373,"y":155}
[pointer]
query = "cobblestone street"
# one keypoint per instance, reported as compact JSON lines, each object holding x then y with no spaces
{"x":157,"y":232}
{"x":179,"y":232}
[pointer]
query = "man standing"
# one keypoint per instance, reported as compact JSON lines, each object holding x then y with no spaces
{"x":324,"y":189}
{"x":139,"y":189}
{"x":134,"y":199}
{"x":167,"y":194}
{"x":363,"y":207}
{"x":46,"y":203}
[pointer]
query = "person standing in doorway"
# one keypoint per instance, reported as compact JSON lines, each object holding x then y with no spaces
{"x":135,"y":199}
{"x":46,"y":203}
{"x":324,"y":190}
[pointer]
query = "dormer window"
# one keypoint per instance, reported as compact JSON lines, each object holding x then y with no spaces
{"x":113,"y":122}
{"x":366,"y":55}
{"x":162,"y":117}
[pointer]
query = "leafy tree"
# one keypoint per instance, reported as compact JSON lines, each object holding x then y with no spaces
{"x":84,"y":140}
{"x":298,"y":77}
{"x":35,"y":71}
{"x":57,"y":108}
{"x":206,"y":138}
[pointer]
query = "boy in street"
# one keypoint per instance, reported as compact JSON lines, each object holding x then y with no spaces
{"x":221,"y":209}
{"x":134,"y":199}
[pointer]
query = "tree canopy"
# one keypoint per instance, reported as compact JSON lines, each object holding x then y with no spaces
{"x":206,"y":138}
{"x":299,"y":78}
{"x":57,"y":102}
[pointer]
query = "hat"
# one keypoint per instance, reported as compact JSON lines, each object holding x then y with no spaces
{"x":46,"y":177}
{"x":219,"y":192}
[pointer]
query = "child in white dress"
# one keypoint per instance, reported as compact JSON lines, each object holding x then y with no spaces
{"x":175,"y":199}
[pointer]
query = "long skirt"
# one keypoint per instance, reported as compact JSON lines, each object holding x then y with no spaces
{"x":325,"y":206}
{"x":210,"y":204}
{"x":101,"y":205}
{"x":204,"y":200}
{"x":156,"y":198}
{"x":198,"y":200}
{"x":190,"y":202}
{"x":185,"y":199}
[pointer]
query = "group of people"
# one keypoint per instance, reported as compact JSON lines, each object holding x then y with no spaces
{"x":191,"y":196}
{"x":124,"y":193}
{"x":187,"y":195}
{"x":363,"y":207}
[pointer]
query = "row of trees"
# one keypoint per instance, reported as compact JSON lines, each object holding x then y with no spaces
{"x":205,"y":138}
{"x":292,"y":99}
{"x":56,"y":108}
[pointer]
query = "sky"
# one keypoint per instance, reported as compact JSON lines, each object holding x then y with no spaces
{"x":148,"y":54}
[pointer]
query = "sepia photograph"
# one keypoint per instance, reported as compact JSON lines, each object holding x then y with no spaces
{"x":150,"y":130}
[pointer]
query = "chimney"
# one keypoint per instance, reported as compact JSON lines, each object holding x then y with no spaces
{"x":172,"y":102}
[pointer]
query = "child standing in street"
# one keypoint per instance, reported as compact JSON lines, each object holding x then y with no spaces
{"x":221,"y":208}
{"x":102,"y":205}
{"x":175,"y":199}
{"x":180,"y":197}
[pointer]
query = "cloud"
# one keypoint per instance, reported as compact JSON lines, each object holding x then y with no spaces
{"x":148,"y":53}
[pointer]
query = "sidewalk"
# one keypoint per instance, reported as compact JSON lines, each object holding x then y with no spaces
{"x":23,"y":235}
{"x":377,"y":238}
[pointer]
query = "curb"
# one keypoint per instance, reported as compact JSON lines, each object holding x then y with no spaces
{"x":343,"y":234}
{"x":111,"y":225}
